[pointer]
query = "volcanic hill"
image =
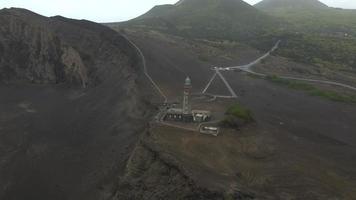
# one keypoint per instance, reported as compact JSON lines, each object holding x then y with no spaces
{"x":219,"y":19}
{"x":312,"y":16}
{"x":292,"y":4}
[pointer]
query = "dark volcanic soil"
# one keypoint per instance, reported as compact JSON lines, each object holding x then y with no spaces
{"x":314,"y":139}
{"x":58,"y":140}
{"x":58,"y":143}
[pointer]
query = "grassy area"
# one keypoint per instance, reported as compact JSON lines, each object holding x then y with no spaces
{"x":240,"y":112}
{"x":321,"y":51}
{"x":312,"y":90}
{"x":237,"y":116}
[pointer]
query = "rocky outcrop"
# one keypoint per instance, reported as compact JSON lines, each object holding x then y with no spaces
{"x":55,"y":50}
{"x":152,"y":175}
{"x":74,"y":67}
{"x":28,"y":53}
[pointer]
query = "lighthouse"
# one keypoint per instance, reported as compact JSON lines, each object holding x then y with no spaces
{"x":186,"y":96}
{"x":185,"y":113}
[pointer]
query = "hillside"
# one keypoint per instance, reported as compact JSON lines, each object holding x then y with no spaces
{"x":312,"y":16}
{"x":318,"y":35}
{"x":35,"y":49}
{"x":58,"y":140}
{"x":290,"y":4}
{"x":290,"y":153}
{"x":219,"y":19}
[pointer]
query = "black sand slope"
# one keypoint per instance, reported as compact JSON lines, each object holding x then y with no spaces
{"x":59,"y":140}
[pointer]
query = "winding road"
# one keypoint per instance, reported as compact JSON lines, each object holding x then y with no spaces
{"x":247,"y":68}
{"x":145,"y":71}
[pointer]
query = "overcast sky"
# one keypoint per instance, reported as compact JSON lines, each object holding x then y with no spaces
{"x":112,"y":10}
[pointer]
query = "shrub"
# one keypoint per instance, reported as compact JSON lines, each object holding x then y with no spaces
{"x":240,"y":112}
{"x":237,"y":116}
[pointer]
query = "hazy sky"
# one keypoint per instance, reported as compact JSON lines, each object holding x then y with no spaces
{"x":111,"y":10}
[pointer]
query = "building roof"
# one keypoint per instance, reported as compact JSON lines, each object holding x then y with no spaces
{"x":175,"y":111}
{"x":205,"y":112}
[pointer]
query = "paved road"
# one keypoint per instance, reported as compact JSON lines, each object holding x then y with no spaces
{"x":321,"y":81}
{"x":255,"y":62}
{"x":247,"y":68}
{"x":145,"y":69}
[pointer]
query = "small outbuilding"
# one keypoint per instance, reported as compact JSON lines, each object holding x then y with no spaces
{"x":201,"y":115}
{"x":209,"y":130}
{"x":176,"y":114}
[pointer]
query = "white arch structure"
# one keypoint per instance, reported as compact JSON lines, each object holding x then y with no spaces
{"x":243,"y":67}
{"x":217,"y":72}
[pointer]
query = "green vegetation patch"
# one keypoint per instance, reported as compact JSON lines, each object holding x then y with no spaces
{"x":312,"y":90}
{"x":237,"y":116}
{"x":241,"y":112}
{"x":329,"y":52}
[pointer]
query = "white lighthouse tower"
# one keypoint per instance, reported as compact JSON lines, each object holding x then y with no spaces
{"x":186,"y":96}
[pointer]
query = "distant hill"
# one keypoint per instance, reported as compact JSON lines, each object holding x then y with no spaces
{"x":225,"y":19}
{"x":312,"y":16}
{"x":290,"y":4}
{"x":316,"y":32}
